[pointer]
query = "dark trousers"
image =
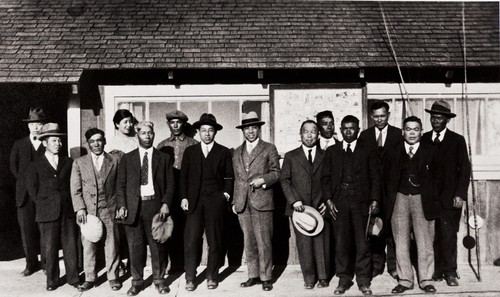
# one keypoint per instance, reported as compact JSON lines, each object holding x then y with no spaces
{"x":30,"y":234}
{"x":176,"y":241}
{"x":445,"y":243}
{"x":378,"y":247}
{"x":314,"y":254}
{"x":350,"y":238}
{"x":62,"y":231}
{"x":208,"y":216}
{"x":138,"y":237}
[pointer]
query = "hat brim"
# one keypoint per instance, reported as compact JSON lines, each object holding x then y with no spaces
{"x":447,"y":114}
{"x":257,"y":123}
{"x":319,"y":219}
{"x":198,"y":124}
{"x":42,"y":136}
{"x":35,"y":120}
{"x":91,"y":227}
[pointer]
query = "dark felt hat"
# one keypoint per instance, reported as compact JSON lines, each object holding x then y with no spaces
{"x":36,"y":115}
{"x":50,"y":129}
{"x":441,"y":107}
{"x":207,"y":119}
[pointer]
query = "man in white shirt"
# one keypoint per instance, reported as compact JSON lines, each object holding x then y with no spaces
{"x":326,"y":124}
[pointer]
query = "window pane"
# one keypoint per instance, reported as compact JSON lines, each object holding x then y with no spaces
{"x":157,"y":111}
{"x":228,"y":115}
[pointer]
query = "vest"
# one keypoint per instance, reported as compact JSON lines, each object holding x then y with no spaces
{"x":209,"y":182}
{"x":409,"y":183}
{"x":101,"y":193}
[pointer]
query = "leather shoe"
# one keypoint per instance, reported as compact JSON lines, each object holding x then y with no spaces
{"x":162,"y":288}
{"x":267,"y":286}
{"x":29,"y":270}
{"x":451,"y":281}
{"x":134,"y":290}
{"x":400,"y":289}
{"x":308,"y":286}
{"x":190,"y":286}
{"x":51,"y":287}
{"x":85,"y":286}
{"x":250,"y":282}
{"x":393,"y":274}
{"x":365,"y":289}
{"x":340,"y":290}
{"x":429,"y":289}
{"x":115,"y":284}
{"x":437,"y":277}
{"x":323,"y":283}
{"x":212,"y":284}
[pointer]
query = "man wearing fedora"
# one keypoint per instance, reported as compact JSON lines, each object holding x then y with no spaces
{"x":24,"y":151}
{"x":206,"y":186}
{"x":301,"y":183}
{"x":174,"y":146}
{"x":48,"y":183}
{"x":410,"y":205}
{"x":257,"y":169}
{"x":93,"y":183}
{"x":144,"y":188}
{"x":451,"y":169}
{"x":351,"y":185}
{"x":382,"y":137}
{"x":326,"y":124}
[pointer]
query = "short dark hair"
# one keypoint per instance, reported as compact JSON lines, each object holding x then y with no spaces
{"x":412,"y":119}
{"x":378,"y":104}
{"x":120,"y":114}
{"x":92,"y":131}
{"x":308,"y":122}
{"x":324,"y":114}
{"x":350,"y":119}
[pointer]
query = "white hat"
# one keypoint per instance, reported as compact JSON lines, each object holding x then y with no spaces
{"x":309,"y":222}
{"x":92,"y":230}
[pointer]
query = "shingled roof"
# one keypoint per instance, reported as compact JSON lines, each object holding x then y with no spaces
{"x":55,"y":40}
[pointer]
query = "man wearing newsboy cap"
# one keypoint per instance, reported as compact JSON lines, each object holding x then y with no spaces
{"x":452,"y":175}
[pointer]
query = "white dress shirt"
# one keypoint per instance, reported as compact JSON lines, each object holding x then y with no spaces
{"x":353,"y":145}
{"x":148,"y":189}
{"x":384,"y":133}
{"x":306,"y":152}
{"x":53,"y":159}
{"x":441,"y":135}
{"x":251,"y":145}
{"x":415,"y":147}
{"x":206,"y":148}
{"x":97,"y":160}
{"x":324,"y":143}
{"x":36,"y":143}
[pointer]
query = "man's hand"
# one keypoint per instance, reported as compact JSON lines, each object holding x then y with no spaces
{"x":458,"y":202}
{"x":298,"y":206}
{"x":374,"y":207}
{"x":322,"y":209}
{"x":184,"y":204}
{"x":81,"y":216}
{"x":234,"y":209}
{"x":227,"y":196}
{"x":121,"y":213}
{"x":164,"y":212}
{"x":257,"y":182}
{"x":332,"y":209}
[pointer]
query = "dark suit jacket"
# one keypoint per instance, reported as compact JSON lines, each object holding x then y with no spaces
{"x":366,"y":172}
{"x":451,"y":167}
{"x":128,"y":184}
{"x":393,"y":165}
{"x":21,"y":155}
{"x":264,"y":163}
{"x":393,"y":139}
{"x":84,"y":190}
{"x":300,"y":181}
{"x":50,"y":189}
{"x":191,"y":172}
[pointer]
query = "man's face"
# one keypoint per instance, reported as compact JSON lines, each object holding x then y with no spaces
{"x":349,"y":131}
{"x":207,"y":134}
{"x":327,"y":127}
{"x":146,"y":137}
{"x":176,"y":127}
{"x":412,"y":132}
{"x":35,"y":128}
{"x":251,"y":133}
{"x":309,"y":134}
{"x":52,"y":144}
{"x":96,"y":144}
{"x":380,"y":117}
{"x":439,"y":122}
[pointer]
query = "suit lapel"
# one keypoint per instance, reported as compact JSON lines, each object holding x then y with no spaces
{"x":241,"y":163}
{"x":156,"y":161}
{"x":301,"y":158}
{"x":443,"y":147}
{"x":256,"y":151}
{"x":106,"y":167}
{"x":317,"y":161}
{"x":88,"y":168}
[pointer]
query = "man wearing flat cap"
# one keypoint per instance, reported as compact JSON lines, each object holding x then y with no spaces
{"x":451,"y":173}
{"x":206,"y":187}
{"x":24,"y":151}
{"x":93,"y":183}
{"x":257,"y":169}
{"x":48,"y":183}
{"x":175,"y":146}
{"x":144,"y":188}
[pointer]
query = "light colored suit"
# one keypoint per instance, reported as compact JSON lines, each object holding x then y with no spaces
{"x":255,"y":205}
{"x":85,"y":188}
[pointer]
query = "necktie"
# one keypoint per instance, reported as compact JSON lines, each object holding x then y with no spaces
{"x":205,"y":150}
{"x":96,"y":163}
{"x":410,"y":152}
{"x":54,"y":162}
{"x":348,"y":150}
{"x":249,"y":149}
{"x":436,"y":140}
{"x":310,"y":157}
{"x":379,"y":139}
{"x":144,"y":169}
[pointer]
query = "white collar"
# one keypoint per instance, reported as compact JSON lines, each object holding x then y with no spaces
{"x":353,"y":145}
{"x":94,"y":156}
{"x":306,"y":150}
{"x":383,"y":131}
{"x":252,"y":145}
{"x":143,"y":150}
{"x":415,"y":147}
{"x":441,"y":134}
{"x":209,"y":146}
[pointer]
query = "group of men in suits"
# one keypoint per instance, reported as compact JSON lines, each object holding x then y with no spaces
{"x":416,"y":182}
